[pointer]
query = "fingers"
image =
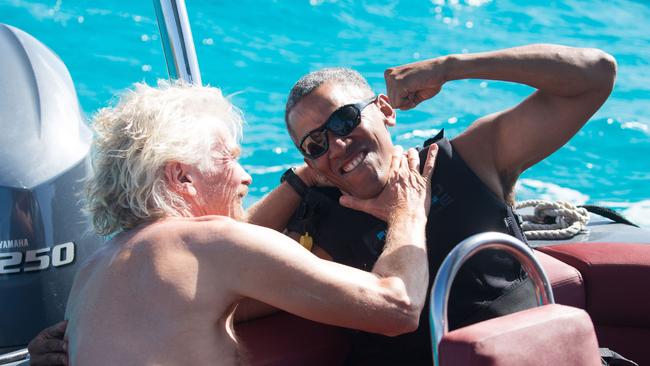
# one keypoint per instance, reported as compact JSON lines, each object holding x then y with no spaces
{"x":424,"y":94}
{"x":50,"y":359}
{"x":396,"y":159}
{"x":413,"y":159}
{"x":406,"y":103}
{"x":57,"y":330}
{"x":49,"y":346}
{"x":407,"y":85}
{"x":369,"y":206}
{"x":398,"y":151}
{"x":50,"y":352}
{"x":52,"y":346}
{"x":352,"y":202}
{"x":411,"y":100}
{"x":430,"y":163}
{"x":391,"y":91}
{"x":398,"y":95}
{"x":48,"y":336}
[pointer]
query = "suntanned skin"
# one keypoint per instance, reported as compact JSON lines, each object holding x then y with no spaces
{"x":164,"y":293}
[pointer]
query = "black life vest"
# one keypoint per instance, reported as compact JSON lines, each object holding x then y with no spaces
{"x":490,"y":284}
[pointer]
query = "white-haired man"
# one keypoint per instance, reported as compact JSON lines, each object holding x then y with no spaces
{"x":164,"y":289}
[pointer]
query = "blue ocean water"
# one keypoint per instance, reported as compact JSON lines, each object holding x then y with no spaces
{"x":255,"y":50}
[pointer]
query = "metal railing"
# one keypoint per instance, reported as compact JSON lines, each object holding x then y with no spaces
{"x":177,"y":41}
{"x":458,"y":256}
{"x":19,"y":357}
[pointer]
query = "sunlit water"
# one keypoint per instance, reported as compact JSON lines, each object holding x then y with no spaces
{"x":255,"y":50}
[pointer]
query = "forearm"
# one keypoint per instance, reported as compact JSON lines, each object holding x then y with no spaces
{"x":275,"y":209}
{"x":405,"y":256}
{"x":552,"y":69}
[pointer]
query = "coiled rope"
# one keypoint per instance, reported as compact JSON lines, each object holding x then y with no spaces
{"x":553,"y":220}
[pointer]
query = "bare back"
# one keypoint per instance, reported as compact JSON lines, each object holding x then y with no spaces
{"x":164,"y":293}
{"x":144,"y":300}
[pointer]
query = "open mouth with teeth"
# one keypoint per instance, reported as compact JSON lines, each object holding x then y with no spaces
{"x":354,"y":162}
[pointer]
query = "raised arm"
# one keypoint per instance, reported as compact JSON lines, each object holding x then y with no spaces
{"x":571,"y":83}
{"x":267,"y":266}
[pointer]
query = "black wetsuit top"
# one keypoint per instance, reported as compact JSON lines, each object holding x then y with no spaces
{"x":490,"y":284}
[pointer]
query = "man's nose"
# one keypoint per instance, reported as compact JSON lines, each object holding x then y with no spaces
{"x":338,"y":145}
{"x":246,"y":178}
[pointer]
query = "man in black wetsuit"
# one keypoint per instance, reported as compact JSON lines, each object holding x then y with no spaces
{"x":340,"y":126}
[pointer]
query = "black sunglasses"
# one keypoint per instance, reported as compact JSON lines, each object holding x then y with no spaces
{"x":315,"y":143}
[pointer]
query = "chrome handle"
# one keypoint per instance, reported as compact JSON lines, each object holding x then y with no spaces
{"x":19,"y":357}
{"x":458,"y":256}
{"x":177,"y":42}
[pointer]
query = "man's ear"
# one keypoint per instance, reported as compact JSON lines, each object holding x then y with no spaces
{"x":387,"y":110}
{"x":179,"y":178}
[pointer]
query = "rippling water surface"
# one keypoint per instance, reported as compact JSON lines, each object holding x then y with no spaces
{"x":255,"y":50}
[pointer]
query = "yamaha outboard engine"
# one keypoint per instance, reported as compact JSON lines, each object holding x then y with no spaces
{"x":44,"y":158}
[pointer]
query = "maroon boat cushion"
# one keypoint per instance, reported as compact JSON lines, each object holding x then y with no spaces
{"x":283,"y":339}
{"x":547,"y":335}
{"x":617,"y":280}
{"x":567,"y":283}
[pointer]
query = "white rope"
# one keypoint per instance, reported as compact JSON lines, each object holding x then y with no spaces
{"x":568,"y":220}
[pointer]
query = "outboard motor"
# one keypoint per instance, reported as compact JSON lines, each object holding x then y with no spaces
{"x":44,"y":158}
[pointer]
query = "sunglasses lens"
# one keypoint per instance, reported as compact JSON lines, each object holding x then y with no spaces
{"x":315,"y":144}
{"x":344,"y":120}
{"x":340,"y":123}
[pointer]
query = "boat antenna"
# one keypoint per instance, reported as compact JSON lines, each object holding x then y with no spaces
{"x":177,"y":42}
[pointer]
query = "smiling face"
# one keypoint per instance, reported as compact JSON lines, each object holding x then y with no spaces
{"x":357,"y":163}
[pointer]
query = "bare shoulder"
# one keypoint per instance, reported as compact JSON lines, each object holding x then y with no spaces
{"x":220,"y":241}
{"x":177,"y":257}
{"x":178,"y":233}
{"x":211,"y":230}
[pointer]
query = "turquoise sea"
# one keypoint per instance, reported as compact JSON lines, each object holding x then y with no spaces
{"x":255,"y":50}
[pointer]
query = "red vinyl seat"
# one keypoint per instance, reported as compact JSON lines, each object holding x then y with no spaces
{"x":283,"y":339}
{"x":617,"y":288}
{"x":567,"y":281}
{"x":547,"y":335}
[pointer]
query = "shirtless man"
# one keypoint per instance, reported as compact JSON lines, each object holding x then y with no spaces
{"x":163,"y":290}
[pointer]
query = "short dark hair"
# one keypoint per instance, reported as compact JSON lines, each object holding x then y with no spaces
{"x":313,"y":80}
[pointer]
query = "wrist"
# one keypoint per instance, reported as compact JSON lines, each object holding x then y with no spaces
{"x":448,"y":65}
{"x":413,"y":217}
{"x":304,"y":173}
{"x":408,"y":228}
{"x":294,"y":181}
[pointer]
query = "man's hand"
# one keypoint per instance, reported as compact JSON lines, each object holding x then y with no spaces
{"x":406,"y":188}
{"x":409,"y":85}
{"x":49,"y":347}
{"x":311,"y":177}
